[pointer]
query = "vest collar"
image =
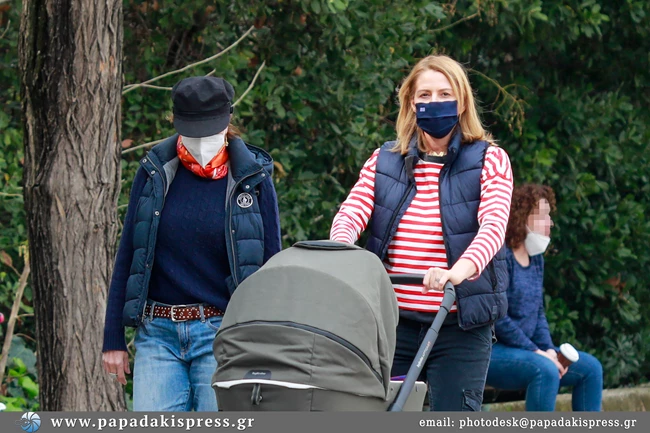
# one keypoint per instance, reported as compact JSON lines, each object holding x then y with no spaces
{"x":165,"y":151}
{"x":413,"y":153}
{"x":163,"y":158}
{"x":242,"y":161}
{"x":411,"y":157}
{"x":454,"y":145}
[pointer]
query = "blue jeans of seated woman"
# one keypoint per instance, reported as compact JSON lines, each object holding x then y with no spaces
{"x":174,"y":364}
{"x":456,"y":367}
{"x":513,"y":368}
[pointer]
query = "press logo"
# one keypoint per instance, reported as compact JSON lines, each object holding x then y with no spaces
{"x":29,"y":422}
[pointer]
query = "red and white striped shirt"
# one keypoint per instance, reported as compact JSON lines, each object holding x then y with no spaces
{"x":418,"y":243}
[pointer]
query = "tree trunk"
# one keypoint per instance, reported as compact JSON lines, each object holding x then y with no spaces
{"x":70,"y":60}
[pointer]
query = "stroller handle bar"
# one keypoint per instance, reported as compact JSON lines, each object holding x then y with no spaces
{"x":406,"y":278}
{"x":430,"y":338}
{"x":417,"y":279}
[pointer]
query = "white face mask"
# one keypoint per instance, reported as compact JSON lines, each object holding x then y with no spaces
{"x":536,"y":243}
{"x":203,"y":149}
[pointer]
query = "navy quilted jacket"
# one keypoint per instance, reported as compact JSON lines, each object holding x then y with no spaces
{"x":250,"y":172}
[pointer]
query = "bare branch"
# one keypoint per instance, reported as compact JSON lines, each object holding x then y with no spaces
{"x":149,"y":86}
{"x":467,"y":18}
{"x":151,"y":143}
{"x":250,"y":86}
{"x":8,"y":25}
{"x":6,"y":194}
{"x":25,"y":336}
{"x":130,"y":87}
{"x":9,"y":333}
{"x":517,"y":107}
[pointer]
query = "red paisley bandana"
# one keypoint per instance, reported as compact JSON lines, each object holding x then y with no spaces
{"x":215,"y":169}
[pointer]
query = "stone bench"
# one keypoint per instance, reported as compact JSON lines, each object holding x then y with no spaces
{"x":614,"y":400}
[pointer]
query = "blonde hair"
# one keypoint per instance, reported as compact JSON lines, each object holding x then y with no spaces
{"x":469,"y":121}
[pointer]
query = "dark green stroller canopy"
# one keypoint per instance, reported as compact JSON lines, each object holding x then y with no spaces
{"x":313,"y":329}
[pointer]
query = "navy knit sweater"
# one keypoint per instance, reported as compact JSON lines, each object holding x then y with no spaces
{"x":191,"y":262}
{"x":525,"y":326}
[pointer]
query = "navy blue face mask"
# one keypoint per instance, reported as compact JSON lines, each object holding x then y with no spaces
{"x":437,"y":118}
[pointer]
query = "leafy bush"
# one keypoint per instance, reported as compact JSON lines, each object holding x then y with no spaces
{"x":19,"y":390}
{"x":20,"y":382}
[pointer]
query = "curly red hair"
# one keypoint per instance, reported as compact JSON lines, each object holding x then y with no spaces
{"x":524,"y":200}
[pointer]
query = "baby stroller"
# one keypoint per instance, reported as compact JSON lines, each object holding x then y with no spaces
{"x":314,"y":330}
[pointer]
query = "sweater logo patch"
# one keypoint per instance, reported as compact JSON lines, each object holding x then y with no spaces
{"x":244,"y":200}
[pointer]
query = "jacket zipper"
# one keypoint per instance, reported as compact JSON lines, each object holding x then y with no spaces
{"x":343,"y":342}
{"x":445,"y":241}
{"x":394,"y":217}
{"x":493,"y":276}
{"x":232,"y":239}
{"x":164,"y":181}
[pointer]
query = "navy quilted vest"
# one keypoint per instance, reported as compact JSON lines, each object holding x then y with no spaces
{"x":249,"y":166}
{"x":481,"y":301}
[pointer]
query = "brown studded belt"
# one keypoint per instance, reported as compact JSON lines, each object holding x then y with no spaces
{"x":182,"y":313}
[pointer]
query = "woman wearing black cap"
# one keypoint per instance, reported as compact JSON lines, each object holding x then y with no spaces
{"x":204,"y":206}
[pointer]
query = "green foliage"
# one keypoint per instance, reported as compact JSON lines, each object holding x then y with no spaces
{"x":12,"y":217}
{"x":19,"y":390}
{"x":562,"y":85}
{"x":20,"y":381}
{"x":586,"y":134}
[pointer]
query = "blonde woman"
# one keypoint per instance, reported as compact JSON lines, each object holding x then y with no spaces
{"x":437,"y":201}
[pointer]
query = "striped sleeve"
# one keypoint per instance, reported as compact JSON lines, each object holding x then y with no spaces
{"x":494,"y":209}
{"x":354,"y":214}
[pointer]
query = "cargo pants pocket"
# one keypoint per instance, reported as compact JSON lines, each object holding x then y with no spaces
{"x":472,"y":400}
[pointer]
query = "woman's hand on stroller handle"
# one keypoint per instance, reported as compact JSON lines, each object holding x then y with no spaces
{"x":435,"y":280}
{"x":415,"y":279}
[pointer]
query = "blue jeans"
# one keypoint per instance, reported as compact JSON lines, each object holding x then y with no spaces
{"x":174,"y":364}
{"x":513,"y":368}
{"x":456,"y":367}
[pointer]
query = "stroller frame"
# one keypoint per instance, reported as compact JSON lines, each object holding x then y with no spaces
{"x":427,"y":344}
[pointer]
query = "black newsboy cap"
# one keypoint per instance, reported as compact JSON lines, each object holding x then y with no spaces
{"x":202,"y":106}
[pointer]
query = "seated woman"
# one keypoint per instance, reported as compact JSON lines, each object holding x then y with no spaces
{"x":525,"y":356}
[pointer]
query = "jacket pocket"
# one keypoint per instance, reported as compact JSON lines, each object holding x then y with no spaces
{"x":483,"y":333}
